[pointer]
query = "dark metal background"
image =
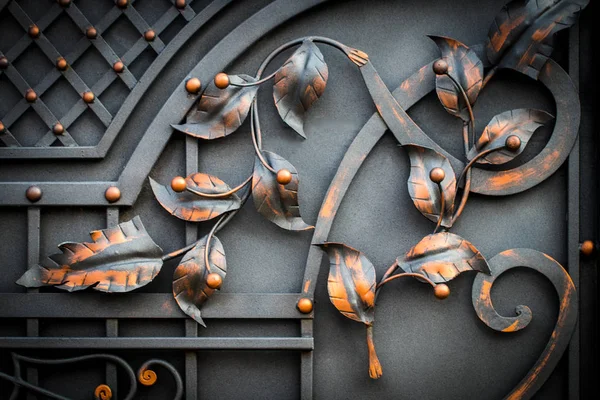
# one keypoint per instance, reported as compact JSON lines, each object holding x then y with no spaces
{"x":430,"y":349}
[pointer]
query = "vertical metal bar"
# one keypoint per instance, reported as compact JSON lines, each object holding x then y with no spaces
{"x":306,"y":362}
{"x":112,"y":324}
{"x":573,"y":220}
{"x":33,"y":258}
{"x":191,"y":235}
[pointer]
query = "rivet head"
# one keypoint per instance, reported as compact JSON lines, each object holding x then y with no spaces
{"x":440,"y":67}
{"x":91,"y":33}
{"x":214,"y":280}
{"x":3,"y":62}
{"x":58,"y":129}
{"x":30,"y":95}
{"x":178,"y":184}
{"x":33,"y":193}
{"x":305,"y":306}
{"x":193,"y":85}
{"x":34,"y":31}
{"x":221,"y":80}
{"x":119,"y":67}
{"x":112,"y":194}
{"x":587,"y":248}
{"x":64,"y":3}
{"x":513,"y":142}
{"x":437,"y":175}
{"x":180,"y":4}
{"x":89,"y":97}
{"x":441,"y":291}
{"x":284,"y":176}
{"x":122,"y":3}
{"x":61,"y":64}
{"x":2,"y":127}
{"x":150,"y":35}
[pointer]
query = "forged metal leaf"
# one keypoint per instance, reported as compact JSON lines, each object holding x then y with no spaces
{"x":521,"y":37}
{"x":277,"y":203}
{"x":423,"y":191}
{"x":443,"y":256}
{"x":351,"y":283}
{"x":522,"y":122}
{"x":189,"y":279}
{"x":119,"y":259}
{"x":466,"y":68}
{"x":299,"y":83}
{"x":219,"y":112}
{"x":192,"y":207}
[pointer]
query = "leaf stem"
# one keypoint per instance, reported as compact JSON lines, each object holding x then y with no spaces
{"x":489,"y":76}
{"x":220,"y":195}
{"x":402,"y":275}
{"x":177,"y":253}
{"x":255,"y":83}
{"x":442,"y":208}
{"x":255,"y":143}
{"x":209,"y":238}
{"x":468,"y":103}
{"x":375,"y":370}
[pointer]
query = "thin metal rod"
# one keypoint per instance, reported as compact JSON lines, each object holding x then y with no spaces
{"x":442,"y":208}
{"x":256,"y":148}
{"x":33,"y":388}
{"x":220,"y":195}
{"x":489,"y":76}
{"x":466,"y":99}
{"x":177,"y":253}
{"x":255,"y":83}
{"x":414,"y":275}
{"x":209,"y":238}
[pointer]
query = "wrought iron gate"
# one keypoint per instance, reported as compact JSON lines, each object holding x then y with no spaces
{"x":102,"y":104}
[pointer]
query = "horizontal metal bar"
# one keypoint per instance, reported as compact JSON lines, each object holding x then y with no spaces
{"x":146,"y":305}
{"x":164,"y":343}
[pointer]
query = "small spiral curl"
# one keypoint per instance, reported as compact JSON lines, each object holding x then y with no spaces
{"x":103,"y":392}
{"x":147,"y":377}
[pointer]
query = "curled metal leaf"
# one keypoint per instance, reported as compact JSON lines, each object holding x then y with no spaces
{"x":119,"y":259}
{"x":443,"y":256}
{"x":192,"y":207}
{"x":300,"y":82}
{"x":465,"y":68}
{"x":190,"y":288}
{"x":351,"y":283}
{"x":521,"y":37}
{"x":423,"y":191}
{"x":220,"y":112}
{"x":522,"y":122}
{"x":277,"y":203}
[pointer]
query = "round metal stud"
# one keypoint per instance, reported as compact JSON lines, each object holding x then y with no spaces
{"x":2,"y":127}
{"x":214,"y":280}
{"x":437,"y":175}
{"x":221,"y":80}
{"x":513,"y":142}
{"x":61,"y":64}
{"x":180,"y":4}
{"x":119,"y":67}
{"x":103,"y":392}
{"x":89,"y":97}
{"x":64,"y":3}
{"x":284,"y":176}
{"x":33,"y":193}
{"x":34,"y":31}
{"x":58,"y":129}
{"x":122,"y":3}
{"x":30,"y":95}
{"x":587,"y":248}
{"x":91,"y":33}
{"x":440,"y":67}
{"x":150,"y":35}
{"x":441,"y":291}
{"x":178,"y":184}
{"x":193,"y":85}
{"x":112,"y":194}
{"x":3,"y":62}
{"x":305,"y":306}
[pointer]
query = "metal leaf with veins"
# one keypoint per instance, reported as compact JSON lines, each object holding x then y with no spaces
{"x":277,"y":203}
{"x":299,"y":83}
{"x":521,"y":37}
{"x":423,"y":191}
{"x":522,"y":122}
{"x":466,"y":69}
{"x":192,"y":207}
{"x":219,"y":112}
{"x":119,"y":259}
{"x":443,"y":256}
{"x":189,"y":279}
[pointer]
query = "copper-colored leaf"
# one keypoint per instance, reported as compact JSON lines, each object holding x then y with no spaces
{"x":220,"y":112}
{"x":521,"y":37}
{"x":423,"y":191}
{"x":351,"y":283}
{"x":299,"y":83}
{"x":277,"y":203}
{"x":466,"y":69}
{"x":189,"y":279}
{"x":192,"y":207}
{"x":443,"y":256}
{"x":522,"y":122}
{"x":119,"y":259}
